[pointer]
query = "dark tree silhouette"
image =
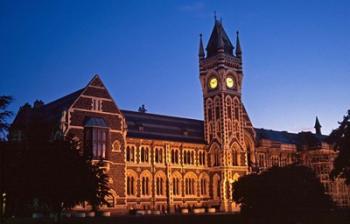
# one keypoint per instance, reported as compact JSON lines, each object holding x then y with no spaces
{"x":281,"y":193}
{"x":99,"y":187}
{"x":4,"y":115}
{"x":54,"y":175}
{"x":340,"y":138}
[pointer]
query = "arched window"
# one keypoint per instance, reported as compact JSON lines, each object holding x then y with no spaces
{"x":160,"y":183}
{"x":175,"y":156}
{"x":234,"y":158}
{"x":144,"y":186}
{"x":130,"y":153}
{"x":204,"y":184}
{"x":201,"y":158}
{"x":144,"y":154}
{"x":176,"y":184}
{"x":229,"y":107}
{"x":236,"y":108}
{"x":209,"y":110}
{"x":131,"y":183}
{"x":158,"y":154}
{"x":146,"y":183}
{"x":215,"y":157}
{"x":261,"y":160}
{"x":243,"y":159}
{"x":216,"y":186}
{"x":190,"y":184}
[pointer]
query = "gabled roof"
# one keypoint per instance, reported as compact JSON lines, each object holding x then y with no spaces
{"x":154,"y":126}
{"x":300,"y":139}
{"x":219,"y":39}
{"x":47,"y":113}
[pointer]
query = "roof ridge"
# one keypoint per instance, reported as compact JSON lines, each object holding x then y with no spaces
{"x":64,"y":97}
{"x":161,"y":115}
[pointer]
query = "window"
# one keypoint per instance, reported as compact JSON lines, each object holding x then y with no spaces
{"x":158,"y":157}
{"x":216,"y":186}
{"x":144,"y":154}
{"x":96,"y":141}
{"x":159,"y":186}
{"x":275,"y":160}
{"x":234,"y":158}
{"x":203,"y":184}
{"x":217,"y":112}
{"x":176,"y":186}
{"x":116,"y":146}
{"x":215,"y":159}
{"x":130,"y":153}
{"x":243,"y":159}
{"x":130,"y":185}
{"x":261,"y":160}
{"x":95,"y":137}
{"x":201,"y":158}
{"x":210,"y":114}
{"x":96,"y":105}
{"x":188,"y":157}
{"x":189,"y":186}
{"x":145,"y":186}
{"x":174,"y":156}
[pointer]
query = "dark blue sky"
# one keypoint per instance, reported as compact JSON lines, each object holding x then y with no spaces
{"x":296,"y":54}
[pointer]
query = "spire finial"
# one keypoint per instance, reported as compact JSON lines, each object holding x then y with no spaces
{"x":317,"y":126}
{"x":201,"y":53}
{"x":238,"y":46}
{"x":215,"y":15}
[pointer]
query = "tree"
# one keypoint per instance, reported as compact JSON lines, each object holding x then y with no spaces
{"x":4,"y":115}
{"x":99,"y":186}
{"x":340,"y":138}
{"x":281,"y":192}
{"x":56,"y":176}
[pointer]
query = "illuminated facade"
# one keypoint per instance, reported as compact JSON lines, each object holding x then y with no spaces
{"x":158,"y":162}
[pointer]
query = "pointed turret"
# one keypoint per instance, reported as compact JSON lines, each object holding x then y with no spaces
{"x":201,"y":52}
{"x":317,"y":126}
{"x":238,"y":46}
{"x":219,"y":40}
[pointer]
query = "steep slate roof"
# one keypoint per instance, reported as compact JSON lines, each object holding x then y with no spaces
{"x":219,"y":39}
{"x":48,"y":113}
{"x":154,"y":126}
{"x":300,"y":139}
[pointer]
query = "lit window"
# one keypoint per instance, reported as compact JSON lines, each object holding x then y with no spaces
{"x":144,"y":154}
{"x":130,"y":153}
{"x":96,"y":141}
{"x":131,"y":185}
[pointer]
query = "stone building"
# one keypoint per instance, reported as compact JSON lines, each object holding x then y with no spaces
{"x":162,"y":162}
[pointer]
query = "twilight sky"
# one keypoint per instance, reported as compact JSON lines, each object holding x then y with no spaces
{"x":296,"y":55}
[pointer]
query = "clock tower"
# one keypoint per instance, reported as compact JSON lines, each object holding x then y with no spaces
{"x":227,"y":127}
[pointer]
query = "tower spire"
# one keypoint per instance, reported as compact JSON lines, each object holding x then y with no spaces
{"x":238,"y":46}
{"x":317,"y":126}
{"x":219,"y":41}
{"x":201,"y":52}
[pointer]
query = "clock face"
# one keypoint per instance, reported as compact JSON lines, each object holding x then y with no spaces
{"x":229,"y":82}
{"x":213,"y":83}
